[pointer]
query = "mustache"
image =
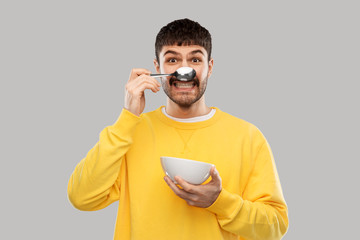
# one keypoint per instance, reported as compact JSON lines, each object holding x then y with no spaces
{"x":173,"y":79}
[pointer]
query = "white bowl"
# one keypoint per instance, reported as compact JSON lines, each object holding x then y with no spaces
{"x":194,"y":172}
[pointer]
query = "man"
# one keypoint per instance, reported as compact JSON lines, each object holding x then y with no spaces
{"x":242,"y":199}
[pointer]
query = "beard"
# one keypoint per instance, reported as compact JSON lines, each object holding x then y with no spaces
{"x":185,"y":99}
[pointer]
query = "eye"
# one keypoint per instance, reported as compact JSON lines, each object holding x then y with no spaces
{"x":196,"y":60}
{"x":172,"y":60}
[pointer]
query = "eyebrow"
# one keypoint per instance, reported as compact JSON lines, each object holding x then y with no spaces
{"x":191,"y":53}
{"x":197,"y":51}
{"x":170,"y":52}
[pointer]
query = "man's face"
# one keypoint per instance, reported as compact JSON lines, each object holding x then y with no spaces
{"x":173,"y":57}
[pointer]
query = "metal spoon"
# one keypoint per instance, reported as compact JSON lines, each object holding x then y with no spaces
{"x":182,"y":74}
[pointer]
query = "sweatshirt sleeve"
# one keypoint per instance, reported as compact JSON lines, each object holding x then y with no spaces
{"x":95,"y":182}
{"x":261,"y":211}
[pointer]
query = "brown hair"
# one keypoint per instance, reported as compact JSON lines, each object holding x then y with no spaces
{"x":183,"y":32}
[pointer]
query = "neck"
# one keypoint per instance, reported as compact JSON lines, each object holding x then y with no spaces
{"x":195,"y":110}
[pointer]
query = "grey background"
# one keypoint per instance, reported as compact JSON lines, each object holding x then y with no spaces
{"x":289,"y":67}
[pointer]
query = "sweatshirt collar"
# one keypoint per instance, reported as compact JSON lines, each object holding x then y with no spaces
{"x":188,"y":125}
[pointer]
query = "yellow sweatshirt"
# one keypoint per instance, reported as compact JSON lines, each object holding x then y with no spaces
{"x":125,"y":165}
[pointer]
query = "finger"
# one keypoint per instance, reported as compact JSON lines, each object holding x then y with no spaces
{"x":139,"y":90}
{"x":179,"y":192}
{"x":156,"y":81}
{"x":185,"y":185}
{"x":135,"y":72}
{"x":172,"y":185}
{"x":143,"y":83}
{"x":146,"y":78}
{"x":148,"y":85}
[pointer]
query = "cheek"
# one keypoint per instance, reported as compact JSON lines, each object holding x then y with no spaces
{"x":201,"y":73}
{"x":167,"y":69}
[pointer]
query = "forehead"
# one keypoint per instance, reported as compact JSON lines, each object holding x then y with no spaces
{"x":183,"y":50}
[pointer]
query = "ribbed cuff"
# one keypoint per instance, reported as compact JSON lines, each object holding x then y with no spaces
{"x":126,"y":120}
{"x":226,"y":204}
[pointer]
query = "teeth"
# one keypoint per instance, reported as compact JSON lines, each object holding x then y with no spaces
{"x":184,"y":85}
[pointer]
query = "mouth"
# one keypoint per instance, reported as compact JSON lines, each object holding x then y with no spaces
{"x":184,"y":84}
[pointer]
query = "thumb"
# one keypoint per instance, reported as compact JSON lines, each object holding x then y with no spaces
{"x":215,"y":177}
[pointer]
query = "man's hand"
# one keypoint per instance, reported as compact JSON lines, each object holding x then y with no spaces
{"x":197,"y":195}
{"x":139,"y":80}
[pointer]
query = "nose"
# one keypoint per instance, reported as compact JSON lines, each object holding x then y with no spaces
{"x":184,"y":63}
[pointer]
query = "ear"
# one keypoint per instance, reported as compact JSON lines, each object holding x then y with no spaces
{"x":157,"y":66}
{"x":211,"y":64}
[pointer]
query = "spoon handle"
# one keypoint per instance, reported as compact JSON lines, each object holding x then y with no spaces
{"x":160,"y":75}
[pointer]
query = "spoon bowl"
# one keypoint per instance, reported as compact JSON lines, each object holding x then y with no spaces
{"x":182,"y":74}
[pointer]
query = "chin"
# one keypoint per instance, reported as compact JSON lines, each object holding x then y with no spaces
{"x":185,"y":103}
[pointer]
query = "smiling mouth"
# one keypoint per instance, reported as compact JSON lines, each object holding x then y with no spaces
{"x":184,"y":85}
